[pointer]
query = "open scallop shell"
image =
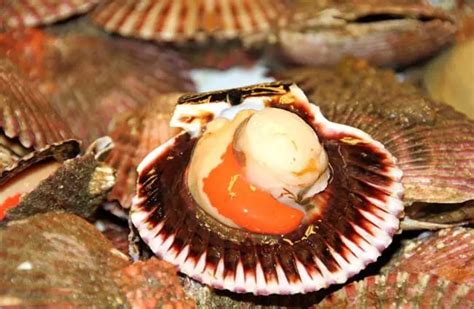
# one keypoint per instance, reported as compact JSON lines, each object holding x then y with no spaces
{"x":27,"y":120}
{"x":433,"y":144}
{"x":360,"y":211}
{"x":78,"y":186}
{"x":321,"y":33}
{"x":20,"y":14}
{"x":448,"y":254}
{"x":171,"y":20}
{"x":401,"y":290}
{"x":135,"y":135}
{"x":92,"y":78}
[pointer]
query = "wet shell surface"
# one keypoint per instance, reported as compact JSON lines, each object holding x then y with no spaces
{"x":28,"y":121}
{"x":41,"y":182}
{"x":447,"y":254}
{"x":30,"y":13}
{"x":347,"y":226}
{"x":88,"y":92}
{"x":401,"y":290}
{"x":58,"y":260}
{"x":135,"y":135}
{"x":183,"y":20}
{"x":433,"y":144}
{"x":321,"y":33}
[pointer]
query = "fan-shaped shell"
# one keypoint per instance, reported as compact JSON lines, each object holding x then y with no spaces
{"x":171,"y":20}
{"x":433,"y":144}
{"x":400,"y":289}
{"x":92,"y":78}
{"x":360,"y":213}
{"x":321,"y":33}
{"x":447,"y":254}
{"x":20,"y":14}
{"x":135,"y":135}
{"x":27,"y":120}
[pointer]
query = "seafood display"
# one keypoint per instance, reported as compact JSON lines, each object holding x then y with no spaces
{"x":236,"y":154}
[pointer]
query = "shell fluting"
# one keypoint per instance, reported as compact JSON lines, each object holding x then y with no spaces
{"x":360,"y":212}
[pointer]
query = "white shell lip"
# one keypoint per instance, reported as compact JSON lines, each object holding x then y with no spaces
{"x":365,"y":249}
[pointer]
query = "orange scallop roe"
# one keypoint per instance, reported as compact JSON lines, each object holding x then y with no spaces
{"x":8,"y":203}
{"x":247,"y":206}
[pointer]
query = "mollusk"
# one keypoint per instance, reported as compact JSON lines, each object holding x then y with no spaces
{"x":342,"y":193}
{"x":54,"y":179}
{"x":177,"y":21}
{"x":20,"y":14}
{"x":87,"y":92}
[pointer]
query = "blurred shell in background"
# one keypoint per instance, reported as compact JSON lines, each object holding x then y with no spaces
{"x":193,"y":20}
{"x":394,"y":33}
{"x":92,"y":78}
{"x":135,"y":135}
{"x":449,"y":78}
{"x":29,"y":13}
{"x":401,"y":290}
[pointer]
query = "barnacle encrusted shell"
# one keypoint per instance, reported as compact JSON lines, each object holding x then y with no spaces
{"x":433,"y":144}
{"x":401,"y":290}
{"x":348,"y":225}
{"x":89,"y":90}
{"x":77,"y":185}
{"x":20,"y":14}
{"x":27,"y":120}
{"x":135,"y":134}
{"x":177,"y":21}
{"x":448,"y":254}
{"x":321,"y":33}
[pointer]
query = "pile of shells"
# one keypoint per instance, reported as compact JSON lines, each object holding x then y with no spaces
{"x":337,"y":185}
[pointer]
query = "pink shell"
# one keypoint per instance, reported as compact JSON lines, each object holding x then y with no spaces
{"x":180,"y":20}
{"x":361,"y":209}
{"x":19,"y":14}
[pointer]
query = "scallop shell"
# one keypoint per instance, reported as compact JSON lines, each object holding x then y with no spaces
{"x":171,"y":20}
{"x":135,"y":135}
{"x":153,"y":284}
{"x":363,"y":205}
{"x":401,"y":290}
{"x":20,"y":14}
{"x":58,"y":260}
{"x":92,"y":78}
{"x":433,"y":144}
{"x":27,"y":120}
{"x":79,"y":186}
{"x":383,"y":32}
{"x":447,"y":254}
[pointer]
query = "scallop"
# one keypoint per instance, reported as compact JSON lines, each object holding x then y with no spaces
{"x":262,"y":194}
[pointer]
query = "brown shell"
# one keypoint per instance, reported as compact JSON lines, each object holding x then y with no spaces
{"x":361,"y":208}
{"x":27,"y":120}
{"x":172,"y":21}
{"x":448,"y":254}
{"x":58,"y":260}
{"x":135,"y":135}
{"x":433,"y":144}
{"x":92,"y":78}
{"x":383,"y":32}
{"x":153,"y":284}
{"x":79,"y":186}
{"x":401,"y":290}
{"x":20,"y":14}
